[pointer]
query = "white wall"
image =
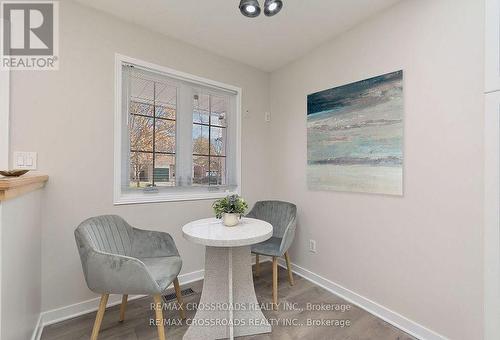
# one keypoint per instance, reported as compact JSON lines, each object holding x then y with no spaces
{"x":67,"y":117}
{"x":419,"y":255}
{"x":21,"y":265}
{"x":4,"y":118}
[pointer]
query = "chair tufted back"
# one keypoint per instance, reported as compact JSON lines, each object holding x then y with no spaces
{"x":279,"y":214}
{"x":107,"y":233}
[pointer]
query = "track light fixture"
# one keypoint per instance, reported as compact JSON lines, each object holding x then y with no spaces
{"x":272,"y":7}
{"x":250,"y":8}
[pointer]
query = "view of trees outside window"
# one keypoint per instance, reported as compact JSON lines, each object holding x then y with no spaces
{"x":152,"y":118}
{"x":209,"y":139}
{"x":152,"y":121}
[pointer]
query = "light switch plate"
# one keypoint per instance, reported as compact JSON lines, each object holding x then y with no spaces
{"x":25,"y":160}
{"x":267,"y":116}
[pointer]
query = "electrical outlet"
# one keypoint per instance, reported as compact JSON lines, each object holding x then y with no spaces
{"x":25,"y":160}
{"x":312,"y":246}
{"x":267,"y":116}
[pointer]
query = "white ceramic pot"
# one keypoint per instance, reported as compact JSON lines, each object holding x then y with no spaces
{"x":230,"y":220}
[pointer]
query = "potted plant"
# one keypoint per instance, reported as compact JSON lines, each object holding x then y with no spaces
{"x":230,"y":209}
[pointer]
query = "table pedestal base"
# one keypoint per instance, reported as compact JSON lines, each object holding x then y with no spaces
{"x":228,"y":282}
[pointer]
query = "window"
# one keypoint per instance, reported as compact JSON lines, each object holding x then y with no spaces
{"x":176,"y":135}
{"x":152,"y":106}
{"x":209,"y":140}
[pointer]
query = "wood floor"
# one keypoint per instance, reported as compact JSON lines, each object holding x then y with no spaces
{"x":363,"y":326}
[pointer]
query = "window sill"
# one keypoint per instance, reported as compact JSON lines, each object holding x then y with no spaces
{"x":141,"y":198}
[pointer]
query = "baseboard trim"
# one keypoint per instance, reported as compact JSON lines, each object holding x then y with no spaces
{"x":394,"y":318}
{"x":72,"y":311}
{"x":37,"y":332}
{"x":397,"y":320}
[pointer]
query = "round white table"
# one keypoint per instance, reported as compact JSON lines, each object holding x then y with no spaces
{"x":228,"y":306}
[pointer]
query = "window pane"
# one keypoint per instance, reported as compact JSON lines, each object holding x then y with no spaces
{"x":218,"y":111}
{"x":200,"y":170}
{"x":217,"y":170}
{"x":141,"y":90}
{"x":164,"y":171}
{"x":165,"y":136}
{"x":201,"y":108}
{"x":217,"y":141}
{"x":200,"y":139}
{"x":167,"y":112}
{"x":141,"y":133}
{"x":166,"y":100}
{"x":141,"y":166}
{"x":141,"y":108}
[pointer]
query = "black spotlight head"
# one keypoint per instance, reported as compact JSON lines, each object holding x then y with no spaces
{"x":272,"y":7}
{"x":250,"y":8}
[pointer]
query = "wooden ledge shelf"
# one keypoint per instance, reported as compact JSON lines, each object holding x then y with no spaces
{"x":11,"y":187}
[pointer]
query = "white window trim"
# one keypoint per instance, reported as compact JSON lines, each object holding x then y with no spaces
{"x":141,"y":197}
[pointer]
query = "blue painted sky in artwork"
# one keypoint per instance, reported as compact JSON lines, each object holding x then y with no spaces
{"x":362,"y":93}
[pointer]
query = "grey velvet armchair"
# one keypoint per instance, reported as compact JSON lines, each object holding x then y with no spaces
{"x":282,"y":216}
{"x":119,"y":259}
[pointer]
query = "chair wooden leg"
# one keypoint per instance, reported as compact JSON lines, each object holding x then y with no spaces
{"x":179,"y":299}
{"x":159,"y":316}
{"x":123,"y":307}
{"x":257,"y":265}
{"x":275,"y":283}
{"x":99,"y":316}
{"x":290,"y":275}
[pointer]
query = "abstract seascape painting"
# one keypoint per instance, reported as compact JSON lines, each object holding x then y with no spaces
{"x":355,"y":136}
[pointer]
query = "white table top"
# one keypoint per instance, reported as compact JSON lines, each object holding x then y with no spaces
{"x":211,"y":232}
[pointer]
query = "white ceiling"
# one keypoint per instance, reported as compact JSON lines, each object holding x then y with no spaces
{"x":264,"y":42}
